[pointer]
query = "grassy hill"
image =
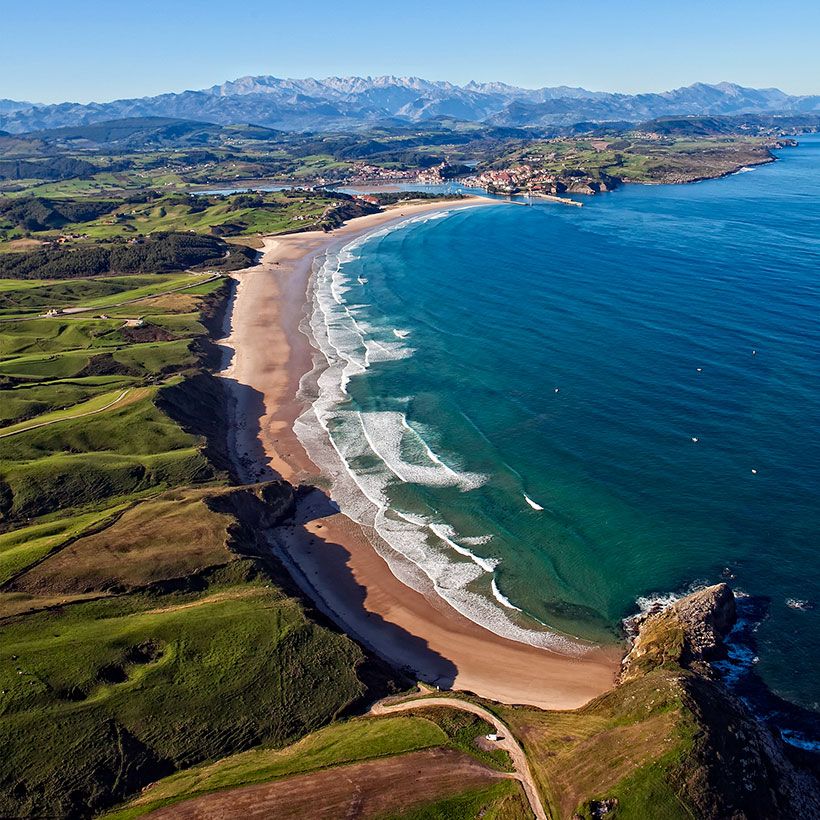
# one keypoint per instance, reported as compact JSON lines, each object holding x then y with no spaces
{"x":669,"y":741}
{"x":140,"y":630}
{"x":346,"y":743}
{"x":152,"y":233}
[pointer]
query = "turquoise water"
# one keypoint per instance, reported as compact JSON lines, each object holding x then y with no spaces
{"x":506,"y":359}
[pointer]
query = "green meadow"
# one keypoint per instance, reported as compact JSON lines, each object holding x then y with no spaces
{"x":142,"y":638}
{"x":136,"y":640}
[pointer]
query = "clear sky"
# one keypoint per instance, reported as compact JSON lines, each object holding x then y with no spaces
{"x":81,"y":50}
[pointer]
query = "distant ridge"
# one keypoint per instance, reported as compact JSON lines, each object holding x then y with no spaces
{"x":351,"y":102}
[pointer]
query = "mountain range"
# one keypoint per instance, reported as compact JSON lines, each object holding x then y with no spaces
{"x":338,"y":103}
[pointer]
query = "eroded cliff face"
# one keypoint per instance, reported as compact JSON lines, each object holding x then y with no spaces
{"x":690,"y":633}
{"x":735,"y":766}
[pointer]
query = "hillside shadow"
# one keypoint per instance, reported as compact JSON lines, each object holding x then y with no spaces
{"x":221,"y":329}
{"x":409,"y":653}
{"x":252,"y":463}
{"x":402,"y":650}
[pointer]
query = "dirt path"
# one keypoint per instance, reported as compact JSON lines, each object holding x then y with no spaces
{"x":506,"y":739}
{"x":217,"y":598}
{"x":68,"y":418}
{"x":68,"y":312}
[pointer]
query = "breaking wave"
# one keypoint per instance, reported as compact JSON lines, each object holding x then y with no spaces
{"x":369,"y":453}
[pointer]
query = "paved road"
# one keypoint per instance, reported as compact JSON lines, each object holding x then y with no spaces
{"x":68,"y":418}
{"x":508,"y":742}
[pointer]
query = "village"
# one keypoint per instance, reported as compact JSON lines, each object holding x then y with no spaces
{"x":517,"y":179}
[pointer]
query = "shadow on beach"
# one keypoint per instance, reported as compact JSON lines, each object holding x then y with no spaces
{"x":252,"y":463}
{"x":319,"y":568}
{"x":329,"y":569}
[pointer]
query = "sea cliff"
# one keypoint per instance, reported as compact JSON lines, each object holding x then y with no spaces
{"x":736,"y":766}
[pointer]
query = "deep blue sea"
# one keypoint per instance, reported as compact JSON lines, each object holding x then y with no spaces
{"x":555,"y":413}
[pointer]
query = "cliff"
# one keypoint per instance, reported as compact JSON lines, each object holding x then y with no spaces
{"x":669,"y":741}
{"x":735,"y":767}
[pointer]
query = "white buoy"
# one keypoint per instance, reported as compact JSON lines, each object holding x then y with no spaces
{"x":700,"y":370}
{"x":556,"y":390}
{"x":754,"y":472}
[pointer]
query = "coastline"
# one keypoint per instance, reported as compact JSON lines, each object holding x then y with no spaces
{"x":329,"y":555}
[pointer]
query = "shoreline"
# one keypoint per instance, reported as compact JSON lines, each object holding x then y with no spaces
{"x":330,"y":556}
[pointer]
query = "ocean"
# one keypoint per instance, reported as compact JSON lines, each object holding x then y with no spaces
{"x":558,"y":415}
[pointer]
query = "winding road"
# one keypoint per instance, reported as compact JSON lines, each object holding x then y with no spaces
{"x":506,"y":739}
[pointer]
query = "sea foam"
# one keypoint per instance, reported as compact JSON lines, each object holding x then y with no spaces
{"x":367,"y":452}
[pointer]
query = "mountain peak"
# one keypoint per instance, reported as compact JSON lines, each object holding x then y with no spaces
{"x":339,"y":103}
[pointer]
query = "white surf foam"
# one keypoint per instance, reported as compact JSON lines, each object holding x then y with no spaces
{"x":366,"y":453}
{"x":384,"y":432}
{"x":532,"y":503}
{"x":447,"y":534}
{"x":798,"y":739}
{"x":501,"y":598}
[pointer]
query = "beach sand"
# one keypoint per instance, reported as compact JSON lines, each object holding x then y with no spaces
{"x":329,"y":555}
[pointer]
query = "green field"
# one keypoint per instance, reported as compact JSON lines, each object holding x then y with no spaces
{"x":123,"y":219}
{"x":636,"y":158}
{"x":502,"y":801}
{"x":340,"y":743}
{"x":168,"y":676}
{"x":132,"y":631}
{"x":152,"y":648}
{"x":23,"y":547}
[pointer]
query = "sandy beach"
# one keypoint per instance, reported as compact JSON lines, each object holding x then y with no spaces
{"x":328,"y":554}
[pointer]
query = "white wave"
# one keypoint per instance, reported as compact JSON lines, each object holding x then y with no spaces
{"x":426,"y":447}
{"x":476,"y":540}
{"x":532,"y":503}
{"x":739,"y":661}
{"x":650,"y":604}
{"x":799,"y":603}
{"x":336,"y":438}
{"x":798,"y":739}
{"x":401,"y":334}
{"x":384,"y":432}
{"x":339,"y":334}
{"x":446,"y":534}
{"x":501,"y":598}
{"x":657,"y":601}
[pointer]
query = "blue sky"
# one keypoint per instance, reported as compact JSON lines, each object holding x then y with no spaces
{"x":80,"y":50}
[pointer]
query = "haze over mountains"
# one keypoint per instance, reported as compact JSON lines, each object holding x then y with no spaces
{"x":351,"y":102}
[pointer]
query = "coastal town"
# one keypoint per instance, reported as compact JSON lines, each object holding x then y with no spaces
{"x":516,"y":179}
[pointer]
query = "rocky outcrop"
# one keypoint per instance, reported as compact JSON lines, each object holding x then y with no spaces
{"x":256,"y":508}
{"x":707,"y":616}
{"x":736,"y":766}
{"x":690,"y":633}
